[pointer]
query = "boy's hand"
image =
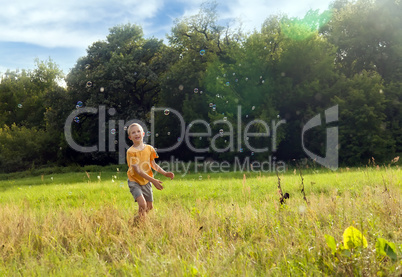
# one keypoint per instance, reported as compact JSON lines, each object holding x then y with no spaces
{"x":157,"y":184}
{"x":170,"y":175}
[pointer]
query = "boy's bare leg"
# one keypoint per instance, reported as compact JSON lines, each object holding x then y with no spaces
{"x":149,"y":206}
{"x":142,"y":208}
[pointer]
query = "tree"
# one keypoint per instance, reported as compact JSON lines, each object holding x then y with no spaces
{"x":367,"y":37}
{"x":22,"y":95}
{"x":121,"y":73}
{"x":195,"y":42}
{"x":25,"y":137}
{"x":363,"y":132}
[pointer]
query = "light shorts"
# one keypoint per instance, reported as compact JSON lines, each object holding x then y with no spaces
{"x":137,"y":190}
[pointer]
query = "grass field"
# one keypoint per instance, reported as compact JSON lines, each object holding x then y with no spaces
{"x":80,"y":224}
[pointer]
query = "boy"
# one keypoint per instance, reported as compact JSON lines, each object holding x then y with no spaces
{"x":141,"y":160}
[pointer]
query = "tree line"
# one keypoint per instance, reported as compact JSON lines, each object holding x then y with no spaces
{"x":288,"y":71}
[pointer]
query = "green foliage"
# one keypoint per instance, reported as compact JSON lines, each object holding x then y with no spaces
{"x":331,"y":243}
{"x":300,"y":29}
{"x":27,"y":99}
{"x":385,"y":248}
{"x":23,"y":96}
{"x":123,"y":75}
{"x":366,"y":37}
{"x":21,"y":148}
{"x":363,"y":131}
{"x":354,"y":242}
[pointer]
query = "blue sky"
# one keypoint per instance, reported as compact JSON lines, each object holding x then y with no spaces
{"x":63,"y":30}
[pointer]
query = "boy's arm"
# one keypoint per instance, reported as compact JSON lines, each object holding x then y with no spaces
{"x":157,"y":183}
{"x":161,"y":171}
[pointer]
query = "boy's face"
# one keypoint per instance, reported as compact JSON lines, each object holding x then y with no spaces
{"x":136,"y":134}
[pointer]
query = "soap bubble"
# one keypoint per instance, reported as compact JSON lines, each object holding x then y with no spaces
{"x":102,"y":89}
{"x":253,"y":108}
{"x":113,"y":131}
{"x":89,"y":84}
{"x":210,"y":105}
{"x":225,"y":118}
{"x":156,"y":135}
{"x":221,"y":132}
{"x":178,"y":139}
{"x":125,"y":128}
{"x":148,"y":133}
{"x":213,"y":108}
{"x":76,"y":119}
{"x":202,"y":52}
{"x":234,"y":73}
{"x":200,"y":177}
{"x":19,"y":106}
{"x":260,"y":77}
{"x":246,"y":78}
{"x":252,"y":153}
{"x":79,"y":104}
{"x":181,"y":87}
{"x":263,"y":81}
{"x":87,"y":66}
{"x":166,"y":112}
{"x":227,"y":84}
{"x":201,"y":92}
{"x":196,"y":90}
{"x":241,"y":150}
{"x":168,"y":133}
{"x":236,"y":80}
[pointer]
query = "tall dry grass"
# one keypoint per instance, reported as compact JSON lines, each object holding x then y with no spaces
{"x":221,"y":227}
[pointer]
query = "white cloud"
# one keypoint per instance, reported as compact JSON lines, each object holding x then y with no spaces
{"x":69,"y":23}
{"x":78,"y":23}
{"x":253,"y":13}
{"x":69,"y":27}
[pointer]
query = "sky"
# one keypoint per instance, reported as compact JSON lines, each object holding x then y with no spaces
{"x":63,"y":30}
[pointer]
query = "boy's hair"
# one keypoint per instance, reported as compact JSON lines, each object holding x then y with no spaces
{"x":132,"y":125}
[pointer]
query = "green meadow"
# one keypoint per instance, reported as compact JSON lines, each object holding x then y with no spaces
{"x":81,"y":224}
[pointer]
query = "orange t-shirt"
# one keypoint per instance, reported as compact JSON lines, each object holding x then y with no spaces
{"x":143,"y":158}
